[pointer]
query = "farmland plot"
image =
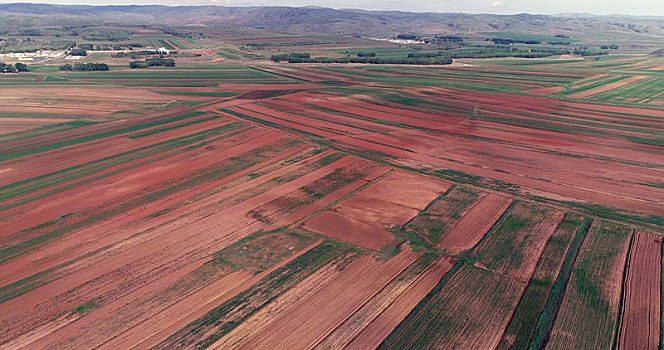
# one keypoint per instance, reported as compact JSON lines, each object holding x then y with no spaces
{"x":589,"y":310}
{"x":472,"y":308}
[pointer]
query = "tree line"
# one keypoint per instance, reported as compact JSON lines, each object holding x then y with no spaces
{"x":85,"y":67}
{"x":153,"y":62}
{"x":305,"y":58}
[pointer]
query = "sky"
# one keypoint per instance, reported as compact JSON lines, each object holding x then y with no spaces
{"x":600,"y":7}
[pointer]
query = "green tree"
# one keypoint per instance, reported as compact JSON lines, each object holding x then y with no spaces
{"x":21,"y":67}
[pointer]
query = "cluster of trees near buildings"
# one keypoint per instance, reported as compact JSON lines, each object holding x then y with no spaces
{"x":16,"y":68}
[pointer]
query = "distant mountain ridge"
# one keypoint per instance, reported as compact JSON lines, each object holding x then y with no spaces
{"x":332,"y":21}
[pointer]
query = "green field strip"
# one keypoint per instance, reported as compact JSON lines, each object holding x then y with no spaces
{"x":596,"y":85}
{"x":577,"y":127}
{"x":522,"y":326}
{"x":269,"y":123}
{"x":230,"y":54}
{"x":58,"y":145}
{"x":619,"y":113}
{"x":600,"y":124}
{"x":44,"y":130}
{"x":584,"y":294}
{"x":633,"y":90}
{"x":528,"y":62}
{"x":173,"y":127}
{"x":550,"y":310}
{"x":169,"y":73}
{"x":279,"y":75}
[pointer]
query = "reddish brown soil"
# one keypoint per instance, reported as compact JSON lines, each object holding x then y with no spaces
{"x":475,"y":224}
{"x":546,"y":91}
{"x":152,"y":331}
{"x":300,"y":328}
{"x":382,"y":326}
{"x":338,"y":226}
{"x":63,"y":100}
{"x":393,"y":200}
{"x":641,"y":306}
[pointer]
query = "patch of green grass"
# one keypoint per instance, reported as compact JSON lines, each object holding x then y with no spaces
{"x":86,"y":308}
{"x":173,"y":127}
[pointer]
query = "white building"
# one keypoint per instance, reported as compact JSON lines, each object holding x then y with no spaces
{"x":164,"y":51}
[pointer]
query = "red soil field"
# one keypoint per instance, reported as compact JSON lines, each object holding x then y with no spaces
{"x":546,"y":91}
{"x":300,"y":328}
{"x":116,"y":225}
{"x":609,"y":87}
{"x":139,"y":255}
{"x":382,"y":326}
{"x":393,"y":200}
{"x":475,"y":224}
{"x":364,"y":218}
{"x":77,"y":100}
{"x":154,"y":330}
{"x":640,"y":326}
{"x":338,"y":226}
{"x":12,"y":125}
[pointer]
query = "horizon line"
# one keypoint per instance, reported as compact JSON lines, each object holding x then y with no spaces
{"x":340,"y":9}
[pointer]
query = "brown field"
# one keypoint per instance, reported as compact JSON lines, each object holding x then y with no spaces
{"x":299,"y":327}
{"x":546,"y":91}
{"x":639,"y":328}
{"x":474,"y":225}
{"x":349,"y":230}
{"x":382,"y":326}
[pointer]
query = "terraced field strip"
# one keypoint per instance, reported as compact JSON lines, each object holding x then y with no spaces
{"x":640,"y":322}
{"x":517,"y":153}
{"x":475,"y":224}
{"x":589,"y":311}
{"x":243,"y":224}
